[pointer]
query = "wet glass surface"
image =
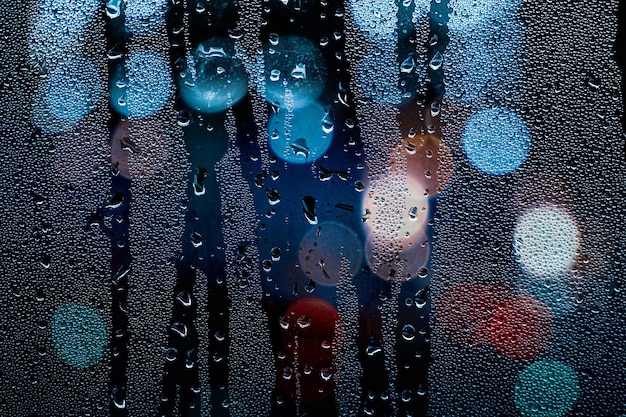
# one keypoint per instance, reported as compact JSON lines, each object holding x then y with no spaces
{"x":312,"y":208}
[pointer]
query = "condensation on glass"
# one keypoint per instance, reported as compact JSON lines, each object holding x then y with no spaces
{"x":312,"y":208}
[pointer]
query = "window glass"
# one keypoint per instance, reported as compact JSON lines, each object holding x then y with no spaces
{"x":312,"y":208}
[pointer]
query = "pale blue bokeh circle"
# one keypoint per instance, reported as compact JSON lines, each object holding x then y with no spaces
{"x":213,"y":77}
{"x":309,"y":130}
{"x":496,"y":141}
{"x":74,"y":89}
{"x":142,"y":86}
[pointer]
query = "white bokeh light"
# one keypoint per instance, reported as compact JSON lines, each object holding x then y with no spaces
{"x":546,"y":241}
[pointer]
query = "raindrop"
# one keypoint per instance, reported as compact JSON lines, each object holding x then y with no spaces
{"x":408,"y":332}
{"x":436,"y":61}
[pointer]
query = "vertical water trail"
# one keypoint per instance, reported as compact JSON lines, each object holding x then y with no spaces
{"x":119,"y":207}
{"x":412,"y":333}
{"x":437,"y":43}
{"x":371,"y":52}
{"x":389,"y":319}
{"x":261,"y":25}
{"x":195,"y":369}
{"x":204,"y":403}
{"x":251,"y":368}
{"x":251,"y":20}
{"x":216,"y":251}
{"x":180,"y":381}
{"x":348,"y":389}
{"x":149,"y":151}
{"x":350,"y":289}
{"x":250,"y":373}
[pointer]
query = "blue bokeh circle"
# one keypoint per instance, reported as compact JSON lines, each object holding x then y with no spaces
{"x":496,"y":141}
{"x":294,"y":68}
{"x":310,"y":130}
{"x":140,"y":86}
{"x":78,"y":334}
{"x":213,"y":78}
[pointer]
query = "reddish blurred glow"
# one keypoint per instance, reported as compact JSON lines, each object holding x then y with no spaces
{"x":138,"y":148}
{"x":522,"y":327}
{"x":428,"y":163}
{"x":311,"y":334}
{"x":312,"y":320}
{"x":464,"y":312}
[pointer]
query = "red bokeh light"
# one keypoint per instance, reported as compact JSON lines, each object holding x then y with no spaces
{"x":522,"y":327}
{"x":463,"y":313}
{"x":311,"y":335}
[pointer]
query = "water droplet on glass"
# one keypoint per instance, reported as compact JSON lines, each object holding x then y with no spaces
{"x":408,"y":332}
{"x":275,"y":75}
{"x":300,"y":147}
{"x":299,"y":72}
{"x":408,"y":65}
{"x":308,"y":207}
{"x":436,"y":61}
